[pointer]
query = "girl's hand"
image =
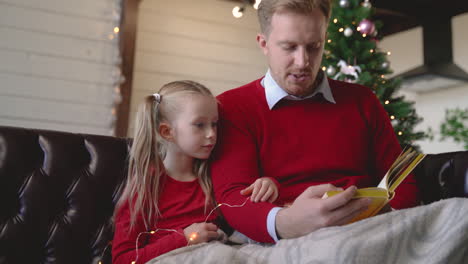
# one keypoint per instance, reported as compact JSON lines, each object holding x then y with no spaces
{"x":201,"y":232}
{"x":262,"y":190}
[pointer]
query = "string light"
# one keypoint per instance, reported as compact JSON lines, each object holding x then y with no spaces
{"x":104,"y":251}
{"x":238,"y":12}
{"x":329,"y":41}
{"x":220,"y":204}
{"x":116,"y":30}
{"x":364,"y":35}
{"x":193,"y":236}
{"x":392,"y":117}
{"x":324,"y":68}
{"x":400,"y":133}
{"x":371,"y":51}
{"x":382,"y":76}
{"x":335,"y":20}
{"x":389,"y":53}
{"x":358,"y":28}
{"x":152,"y":232}
{"x":387,"y":102}
{"x":341,"y":29}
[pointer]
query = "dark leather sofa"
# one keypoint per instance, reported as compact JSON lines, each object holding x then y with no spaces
{"x":58,"y":191}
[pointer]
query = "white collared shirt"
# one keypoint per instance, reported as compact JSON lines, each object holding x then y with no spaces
{"x":274,"y":93}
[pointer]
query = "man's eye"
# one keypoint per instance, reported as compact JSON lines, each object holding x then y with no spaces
{"x":314,"y":46}
{"x":199,"y":125}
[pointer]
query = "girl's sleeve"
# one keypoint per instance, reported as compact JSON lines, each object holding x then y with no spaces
{"x":149,"y":245}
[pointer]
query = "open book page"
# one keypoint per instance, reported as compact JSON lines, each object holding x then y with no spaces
{"x":384,"y":192}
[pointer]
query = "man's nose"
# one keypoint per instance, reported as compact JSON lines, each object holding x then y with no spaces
{"x":302,"y":58}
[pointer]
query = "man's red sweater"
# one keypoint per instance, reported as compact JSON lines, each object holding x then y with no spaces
{"x":181,"y":204}
{"x":301,"y":143}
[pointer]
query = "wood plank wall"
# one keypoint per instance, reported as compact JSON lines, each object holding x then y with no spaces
{"x":196,"y":40}
{"x":56,"y":64}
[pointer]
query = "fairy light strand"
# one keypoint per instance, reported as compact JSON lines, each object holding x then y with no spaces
{"x":192,"y":236}
{"x":220,"y":204}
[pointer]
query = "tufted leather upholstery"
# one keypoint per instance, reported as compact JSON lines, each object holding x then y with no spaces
{"x":58,"y":191}
{"x":57,"y":195}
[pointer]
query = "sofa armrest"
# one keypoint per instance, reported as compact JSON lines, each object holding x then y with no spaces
{"x":442,"y":176}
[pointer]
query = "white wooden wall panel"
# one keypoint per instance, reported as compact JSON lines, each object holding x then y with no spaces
{"x":86,"y":8}
{"x":195,"y":67}
{"x":48,"y":89}
{"x":53,"y":23}
{"x":196,"y":40}
{"x":56,"y":64}
{"x":55,"y":45}
{"x":55,"y":67}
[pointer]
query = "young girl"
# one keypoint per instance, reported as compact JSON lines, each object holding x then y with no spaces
{"x":167,"y":199}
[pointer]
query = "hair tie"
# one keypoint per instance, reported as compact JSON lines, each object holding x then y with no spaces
{"x":157,"y":97}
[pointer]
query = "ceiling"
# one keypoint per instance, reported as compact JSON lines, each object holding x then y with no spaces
{"x":400,"y":15}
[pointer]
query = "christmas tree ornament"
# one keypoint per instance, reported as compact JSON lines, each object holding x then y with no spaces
{"x":366,"y":4}
{"x":331,"y":70}
{"x":384,"y":65}
{"x":348,"y":32}
{"x":346,"y":69}
{"x":344,"y":3}
{"x":366,"y":27}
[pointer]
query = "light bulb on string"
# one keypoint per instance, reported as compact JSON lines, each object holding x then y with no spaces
{"x":238,"y":11}
{"x":193,"y":236}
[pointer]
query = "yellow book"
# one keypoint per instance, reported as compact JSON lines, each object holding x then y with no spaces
{"x":385,"y":191}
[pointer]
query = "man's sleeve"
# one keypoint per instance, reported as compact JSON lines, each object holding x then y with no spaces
{"x":386,"y":148}
{"x":235,"y":165}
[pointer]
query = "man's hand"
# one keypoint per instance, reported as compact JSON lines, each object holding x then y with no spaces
{"x":262,"y":190}
{"x":310,"y":212}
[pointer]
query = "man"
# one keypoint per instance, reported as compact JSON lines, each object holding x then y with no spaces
{"x":309,"y":133}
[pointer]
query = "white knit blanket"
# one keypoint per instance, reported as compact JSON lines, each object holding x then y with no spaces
{"x":435,"y":233}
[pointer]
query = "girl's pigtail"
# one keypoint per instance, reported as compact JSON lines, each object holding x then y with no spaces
{"x":145,"y":165}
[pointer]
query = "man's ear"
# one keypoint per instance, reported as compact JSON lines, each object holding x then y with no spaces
{"x":262,"y":42}
{"x":165,"y":131}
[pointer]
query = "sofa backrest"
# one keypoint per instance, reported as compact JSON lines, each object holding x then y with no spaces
{"x":57,"y":195}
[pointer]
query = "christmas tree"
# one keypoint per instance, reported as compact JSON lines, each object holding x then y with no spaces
{"x":352,"y":55}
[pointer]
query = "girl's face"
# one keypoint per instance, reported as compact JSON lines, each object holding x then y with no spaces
{"x":194,"y":128}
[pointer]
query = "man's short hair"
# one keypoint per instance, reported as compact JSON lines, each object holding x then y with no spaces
{"x":268,"y":8}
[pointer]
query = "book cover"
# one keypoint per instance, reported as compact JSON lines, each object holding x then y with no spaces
{"x":385,"y":191}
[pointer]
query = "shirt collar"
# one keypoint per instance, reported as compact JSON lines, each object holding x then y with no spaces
{"x":274,"y":93}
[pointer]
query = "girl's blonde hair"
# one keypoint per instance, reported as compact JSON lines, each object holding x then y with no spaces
{"x":147,"y":152}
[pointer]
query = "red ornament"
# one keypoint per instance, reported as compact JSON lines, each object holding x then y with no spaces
{"x":366,"y":27}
